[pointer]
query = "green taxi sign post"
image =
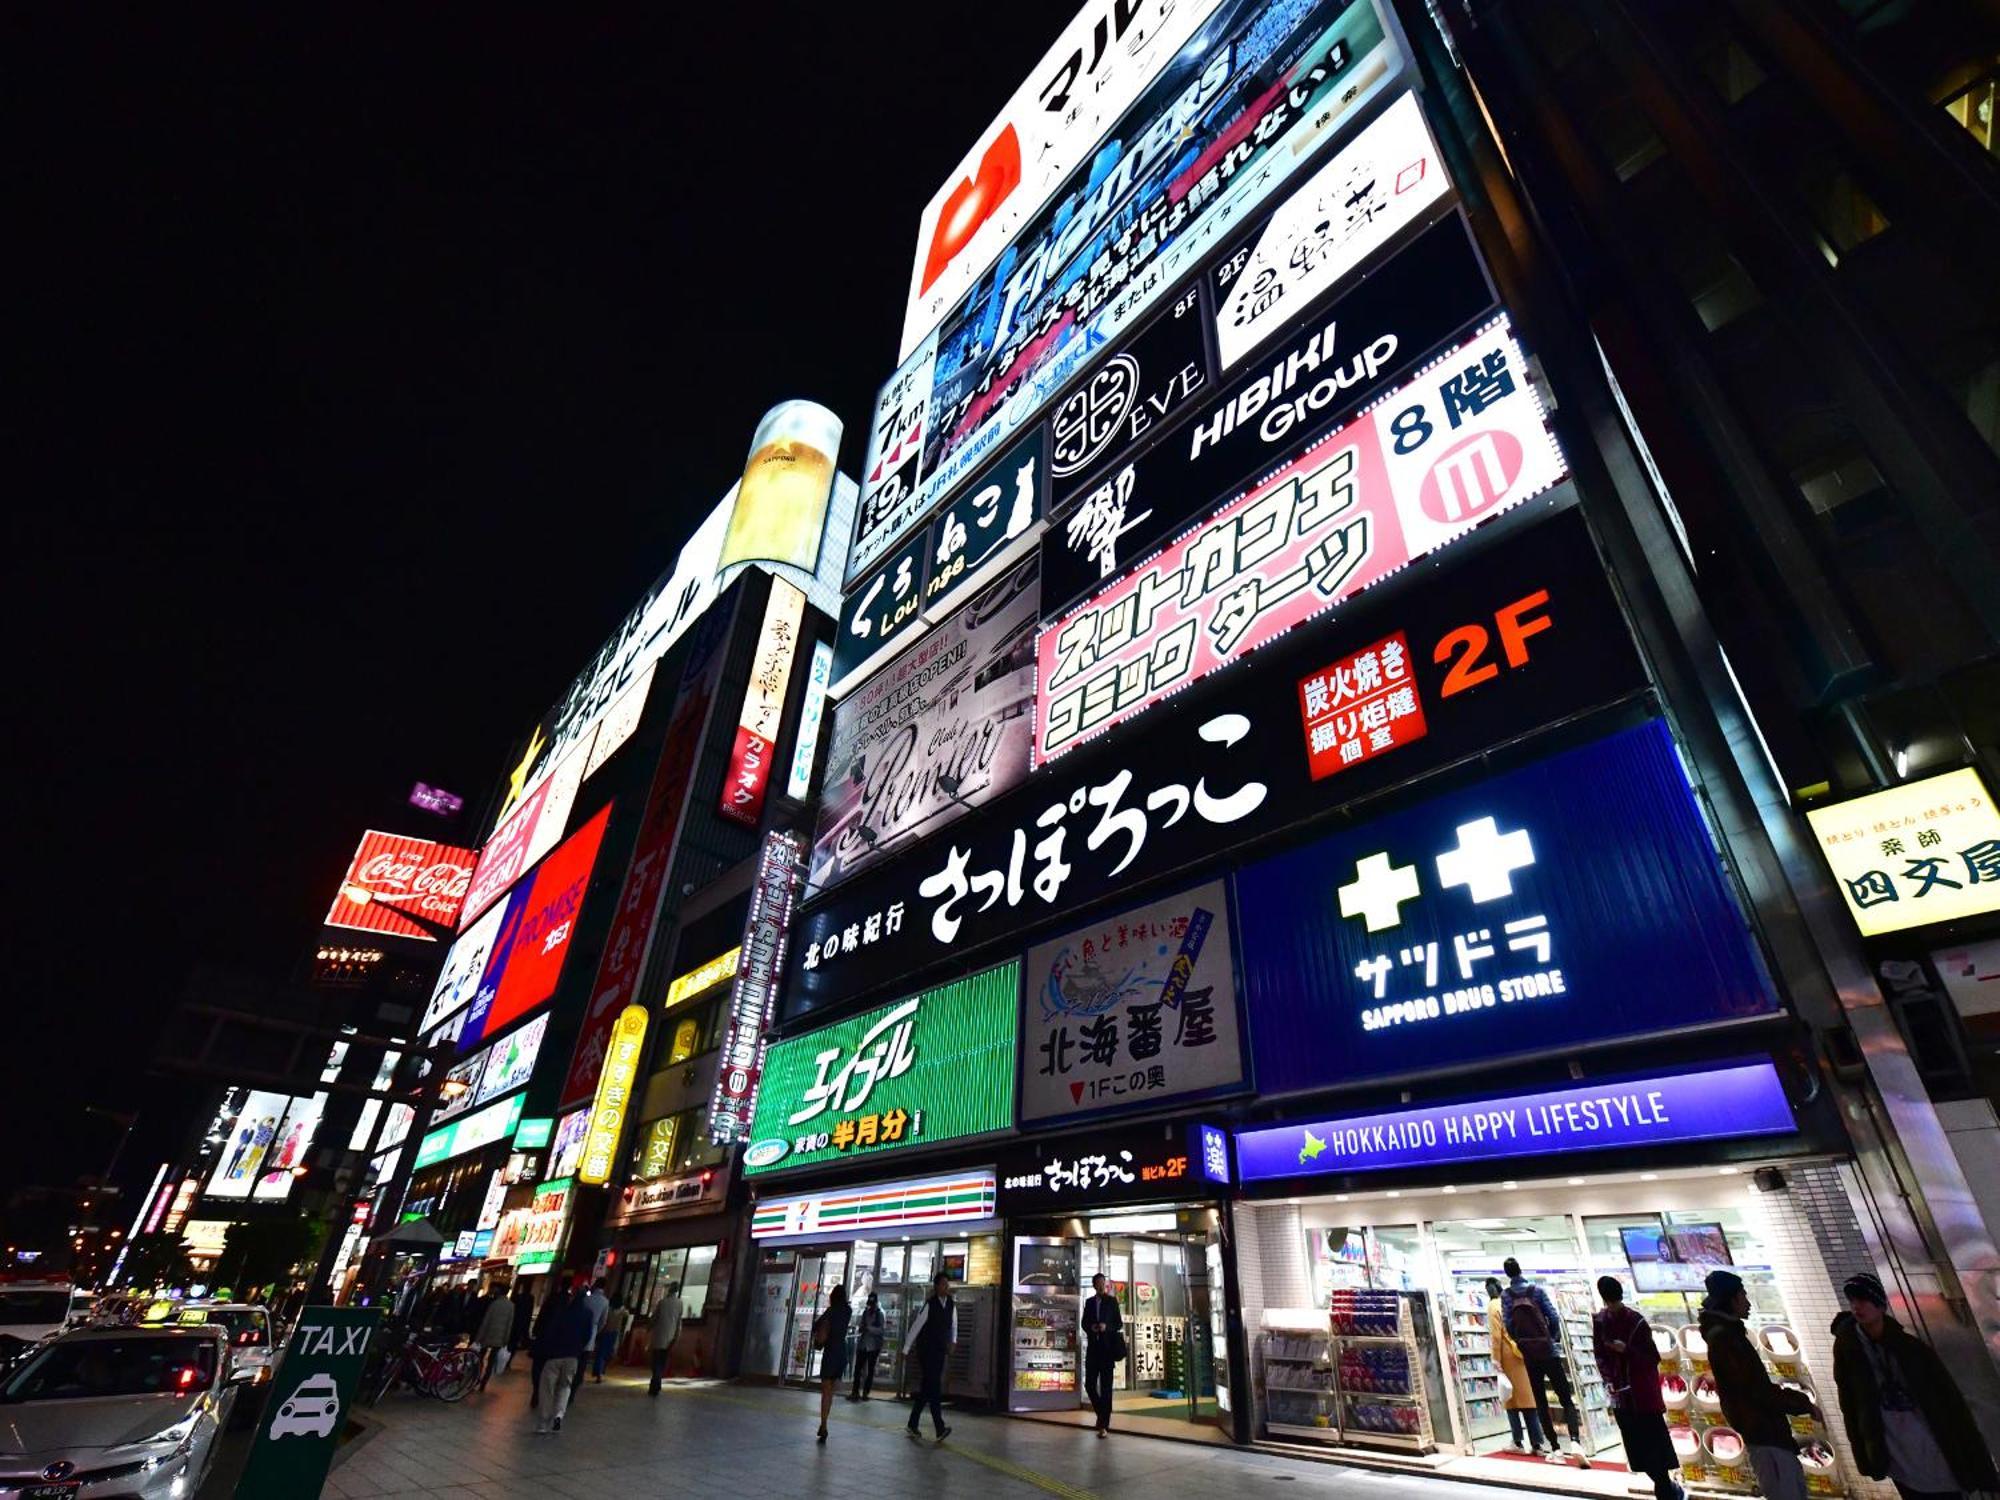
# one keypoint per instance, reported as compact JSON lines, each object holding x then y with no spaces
{"x":312,"y":1391}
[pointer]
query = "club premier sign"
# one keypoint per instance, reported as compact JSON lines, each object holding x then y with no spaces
{"x":1451,"y":450}
{"x":934,"y":1067}
{"x":1743,"y":1099}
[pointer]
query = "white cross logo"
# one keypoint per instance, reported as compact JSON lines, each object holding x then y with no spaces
{"x":1485,"y":859}
{"x":1378,"y":890}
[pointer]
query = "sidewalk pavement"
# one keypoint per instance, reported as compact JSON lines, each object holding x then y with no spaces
{"x":730,"y":1442}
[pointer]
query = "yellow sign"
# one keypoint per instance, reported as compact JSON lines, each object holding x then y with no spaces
{"x":614,"y":1095}
{"x":707,"y":977}
{"x":657,"y":1155}
{"x":1914,"y":855}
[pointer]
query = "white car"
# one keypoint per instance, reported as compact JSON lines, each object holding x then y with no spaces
{"x":131,"y":1412}
{"x":313,"y":1410}
{"x":31,"y":1311}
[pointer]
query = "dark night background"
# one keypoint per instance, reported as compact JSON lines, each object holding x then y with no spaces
{"x":366,"y":369}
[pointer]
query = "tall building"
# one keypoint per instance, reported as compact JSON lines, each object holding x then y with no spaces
{"x":1413,"y":567}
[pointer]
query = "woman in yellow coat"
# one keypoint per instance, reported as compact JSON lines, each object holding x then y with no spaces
{"x":1520,"y":1398}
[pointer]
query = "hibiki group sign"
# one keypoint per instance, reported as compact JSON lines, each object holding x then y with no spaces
{"x":936,"y":1066}
{"x":1448,"y":452}
{"x":1579,"y":897}
{"x":391,"y":874}
{"x":959,"y":704}
{"x":1250,"y":99}
{"x":1515,"y":628}
{"x":1742,"y":1099}
{"x":1132,"y":1011}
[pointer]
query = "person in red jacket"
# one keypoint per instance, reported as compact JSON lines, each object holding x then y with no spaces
{"x":1629,"y":1361}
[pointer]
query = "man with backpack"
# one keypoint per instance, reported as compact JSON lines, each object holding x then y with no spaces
{"x":1532,"y":1322}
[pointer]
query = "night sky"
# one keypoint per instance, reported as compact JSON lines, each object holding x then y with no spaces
{"x":364,"y":376}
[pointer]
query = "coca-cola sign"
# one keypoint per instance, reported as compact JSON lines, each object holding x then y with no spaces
{"x":392,"y":880}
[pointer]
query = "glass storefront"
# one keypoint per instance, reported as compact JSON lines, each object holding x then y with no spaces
{"x":1404,"y":1345}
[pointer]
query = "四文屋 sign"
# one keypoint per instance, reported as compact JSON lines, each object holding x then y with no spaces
{"x":1707,"y":1104}
{"x":933,"y":1067}
{"x":1914,"y":855}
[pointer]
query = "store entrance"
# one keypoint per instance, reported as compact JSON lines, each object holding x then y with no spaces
{"x":1168,"y":1284}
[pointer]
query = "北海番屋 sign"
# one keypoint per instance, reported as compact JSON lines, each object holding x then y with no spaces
{"x":1743,"y":1099}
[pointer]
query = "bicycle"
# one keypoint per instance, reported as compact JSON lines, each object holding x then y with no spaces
{"x":447,"y":1371}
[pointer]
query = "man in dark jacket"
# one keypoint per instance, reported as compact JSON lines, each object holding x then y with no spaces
{"x":932,"y":1333}
{"x":1906,"y":1420}
{"x":1752,"y":1402}
{"x":1104,"y":1346}
{"x":559,"y":1343}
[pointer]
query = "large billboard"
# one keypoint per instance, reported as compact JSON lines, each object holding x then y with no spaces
{"x":1576,"y":900}
{"x":1133,"y":1011}
{"x":1249,"y":100}
{"x":531,"y":829}
{"x":1516,"y":630}
{"x":1109,"y":51}
{"x":753,"y":756}
{"x":1302,"y":387}
{"x":944,"y":726}
{"x":933,"y":1067}
{"x":535,"y":935}
{"x":269,"y":1136}
{"x":391,"y":875}
{"x":1462,"y":443}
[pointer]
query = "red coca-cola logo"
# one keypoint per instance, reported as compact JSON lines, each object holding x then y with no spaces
{"x":398,"y":877}
{"x":402,"y":874}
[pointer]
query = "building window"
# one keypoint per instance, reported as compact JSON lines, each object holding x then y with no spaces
{"x":1732,"y":71}
{"x":1832,"y":482}
{"x":1843,"y":216}
{"x":1972,"y":102}
{"x":673,"y":1145}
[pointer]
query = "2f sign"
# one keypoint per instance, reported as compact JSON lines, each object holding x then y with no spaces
{"x":339,"y":1341}
{"x":1464,"y":650}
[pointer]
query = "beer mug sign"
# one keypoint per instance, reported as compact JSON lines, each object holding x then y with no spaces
{"x":781,"y":504}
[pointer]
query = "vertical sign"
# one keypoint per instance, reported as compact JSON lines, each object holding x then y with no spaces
{"x":754,"y":999}
{"x":614,"y":1093}
{"x":799,"y":785}
{"x":763,"y":706}
{"x":311,"y":1394}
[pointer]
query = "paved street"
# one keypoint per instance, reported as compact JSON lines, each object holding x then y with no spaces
{"x":746,"y":1443}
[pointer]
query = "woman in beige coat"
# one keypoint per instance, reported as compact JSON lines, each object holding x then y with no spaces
{"x":1520,"y":1401}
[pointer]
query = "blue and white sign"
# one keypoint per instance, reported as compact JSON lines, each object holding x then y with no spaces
{"x":1741,"y":1099}
{"x":1575,"y":900}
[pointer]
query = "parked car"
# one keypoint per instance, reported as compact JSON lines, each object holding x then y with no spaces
{"x":126,"y":1411}
{"x":251,"y":1342}
{"x":31,"y":1310}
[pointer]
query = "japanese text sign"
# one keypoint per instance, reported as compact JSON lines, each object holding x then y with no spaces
{"x":1914,"y":855}
{"x":390,"y":875}
{"x":943,"y":727}
{"x":1304,"y":386}
{"x":1574,"y":900}
{"x":614,"y":1096}
{"x":1707,"y":1104}
{"x":524,"y":836}
{"x":1449,"y":451}
{"x":1133,"y":1011}
{"x":798,"y":783}
{"x":1516,"y":629}
{"x":1249,"y":101}
{"x":1136,"y":1164}
{"x":1361,"y":705}
{"x":935,"y":1067}
{"x":753,"y":757}
{"x":753,"y":1001}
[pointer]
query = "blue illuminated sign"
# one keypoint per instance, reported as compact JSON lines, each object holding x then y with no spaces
{"x":1742,"y":1099}
{"x":1575,"y":900}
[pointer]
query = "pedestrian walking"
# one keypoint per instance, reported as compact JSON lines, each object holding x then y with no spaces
{"x":611,"y":1337}
{"x":868,"y":1325}
{"x":1103,"y":1348}
{"x":524,"y":1318}
{"x":1906,"y":1419}
{"x":558,"y":1349}
{"x":495,"y":1333}
{"x":1753,"y":1403}
{"x":829,"y":1336}
{"x":1532,"y":1322}
{"x":666,"y":1328}
{"x":599,"y":1308}
{"x":1520,"y":1398}
{"x":932,"y":1333}
{"x":1629,"y":1361}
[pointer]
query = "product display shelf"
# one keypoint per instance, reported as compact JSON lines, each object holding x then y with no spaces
{"x":1295,"y":1361}
{"x":1703,"y":1440}
{"x":1600,"y":1427}
{"x":1378,"y":1371}
{"x":1045,"y":1343}
{"x":1474,"y":1365}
